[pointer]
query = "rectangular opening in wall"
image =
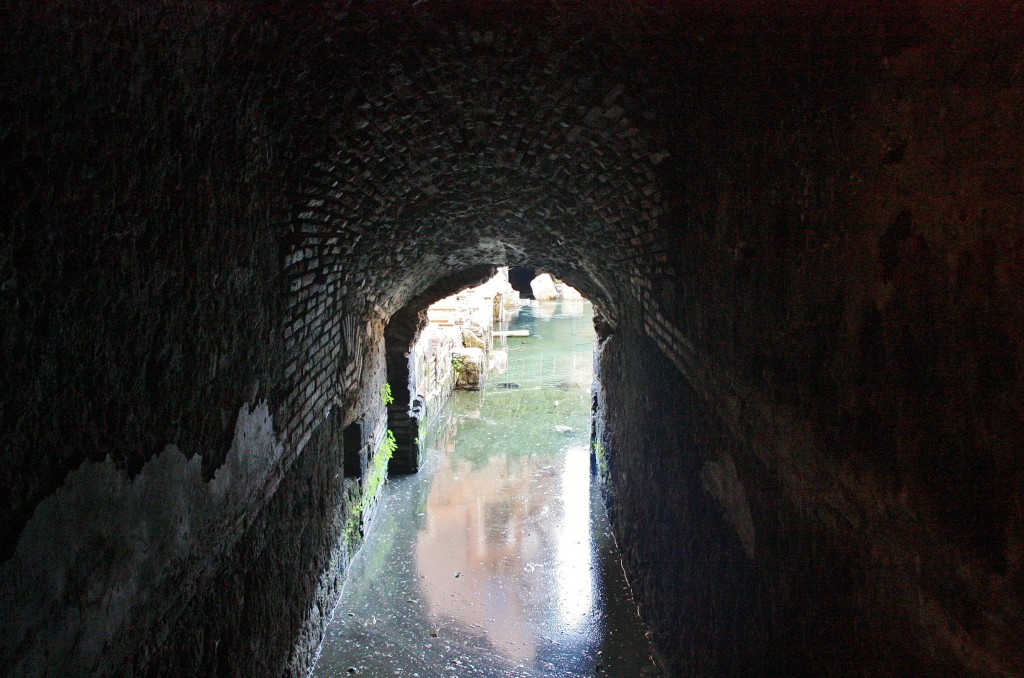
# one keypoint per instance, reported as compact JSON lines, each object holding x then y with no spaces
{"x":352,"y":439}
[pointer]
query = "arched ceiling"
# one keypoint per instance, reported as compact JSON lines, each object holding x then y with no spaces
{"x":455,"y":144}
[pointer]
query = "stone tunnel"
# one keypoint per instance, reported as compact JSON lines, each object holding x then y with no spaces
{"x":800,"y":222}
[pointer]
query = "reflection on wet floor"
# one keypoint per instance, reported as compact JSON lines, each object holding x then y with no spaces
{"x":496,"y":558}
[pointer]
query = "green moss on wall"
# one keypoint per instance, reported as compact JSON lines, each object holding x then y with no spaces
{"x":378,"y":476}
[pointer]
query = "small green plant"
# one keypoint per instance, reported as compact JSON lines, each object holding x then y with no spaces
{"x":378,"y":476}
{"x":602,"y":459}
{"x":389,"y":445}
{"x":458,"y":364}
{"x":379,"y":472}
{"x":385,"y":395}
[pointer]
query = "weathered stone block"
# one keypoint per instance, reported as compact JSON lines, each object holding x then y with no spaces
{"x":470,"y":366}
{"x":543,"y":287}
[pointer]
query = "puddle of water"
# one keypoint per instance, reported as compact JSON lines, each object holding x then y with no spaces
{"x":496,"y":559}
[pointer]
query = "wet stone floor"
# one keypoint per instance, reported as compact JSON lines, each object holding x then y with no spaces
{"x":497,"y":559}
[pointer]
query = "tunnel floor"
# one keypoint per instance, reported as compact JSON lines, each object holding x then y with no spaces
{"x":497,"y":559}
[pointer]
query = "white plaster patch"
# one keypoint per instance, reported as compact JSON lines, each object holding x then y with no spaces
{"x":720,"y":481}
{"x":105,"y":554}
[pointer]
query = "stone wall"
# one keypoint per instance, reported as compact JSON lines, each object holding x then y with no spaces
{"x":435,"y":373}
{"x":167,"y":353}
{"x":241,"y":622}
{"x":739,"y":575}
{"x":464,"y":325}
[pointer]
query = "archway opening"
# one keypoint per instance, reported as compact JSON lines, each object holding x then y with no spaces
{"x":498,"y":551}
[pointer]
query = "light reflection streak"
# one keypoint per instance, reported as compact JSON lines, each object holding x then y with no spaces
{"x":575,"y":576}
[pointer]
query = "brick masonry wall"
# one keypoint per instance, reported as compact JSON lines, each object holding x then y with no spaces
{"x":168,"y":355}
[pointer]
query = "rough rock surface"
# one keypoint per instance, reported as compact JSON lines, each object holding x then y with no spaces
{"x":543,"y":287}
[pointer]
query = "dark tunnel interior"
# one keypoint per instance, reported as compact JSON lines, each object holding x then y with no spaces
{"x":800,"y":223}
